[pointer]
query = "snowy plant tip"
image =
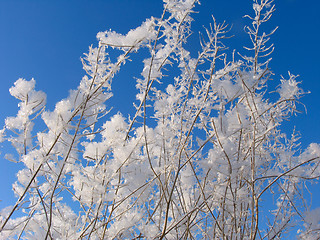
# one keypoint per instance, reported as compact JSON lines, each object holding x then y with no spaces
{"x":289,"y":89}
{"x":31,"y":102}
{"x":134,"y":37}
{"x":21,"y":88}
{"x":180,"y":10}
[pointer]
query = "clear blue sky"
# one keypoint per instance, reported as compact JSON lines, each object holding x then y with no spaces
{"x":45,"y":39}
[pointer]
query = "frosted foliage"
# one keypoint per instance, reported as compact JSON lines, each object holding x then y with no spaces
{"x":197,"y":157}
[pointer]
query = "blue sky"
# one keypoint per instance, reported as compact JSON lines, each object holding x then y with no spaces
{"x":45,"y":39}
